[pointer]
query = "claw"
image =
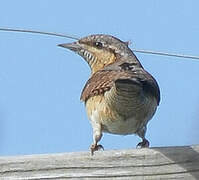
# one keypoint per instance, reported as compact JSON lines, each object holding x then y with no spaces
{"x":143,"y":144}
{"x":96,"y":148}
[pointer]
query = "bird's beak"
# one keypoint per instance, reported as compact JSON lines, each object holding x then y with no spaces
{"x":75,"y":46}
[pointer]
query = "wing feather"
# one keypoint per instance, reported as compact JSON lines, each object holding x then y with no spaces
{"x":104,"y":80}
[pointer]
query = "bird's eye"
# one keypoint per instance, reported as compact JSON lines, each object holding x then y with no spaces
{"x":99,"y":45}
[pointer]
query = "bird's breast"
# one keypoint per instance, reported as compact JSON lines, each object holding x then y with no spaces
{"x":120,"y":115}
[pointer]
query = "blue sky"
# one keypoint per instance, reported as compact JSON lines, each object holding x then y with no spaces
{"x":40,"y":110}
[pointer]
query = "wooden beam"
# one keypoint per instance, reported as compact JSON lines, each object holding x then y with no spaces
{"x":152,"y":163}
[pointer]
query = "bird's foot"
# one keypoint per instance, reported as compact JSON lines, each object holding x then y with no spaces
{"x":96,"y":148}
{"x":143,"y":144}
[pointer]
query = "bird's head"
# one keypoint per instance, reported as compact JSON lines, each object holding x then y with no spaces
{"x":101,"y":50}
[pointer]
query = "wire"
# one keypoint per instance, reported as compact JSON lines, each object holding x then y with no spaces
{"x":165,"y":54}
{"x":75,"y":38}
{"x":39,"y":32}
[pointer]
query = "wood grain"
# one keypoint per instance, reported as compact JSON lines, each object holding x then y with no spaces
{"x":152,"y":163}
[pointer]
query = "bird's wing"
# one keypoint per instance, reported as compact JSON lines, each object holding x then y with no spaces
{"x":99,"y":83}
{"x":133,"y":76}
{"x":125,"y":80}
{"x":139,"y":82}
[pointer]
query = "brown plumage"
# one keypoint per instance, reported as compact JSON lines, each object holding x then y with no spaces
{"x":120,"y":96}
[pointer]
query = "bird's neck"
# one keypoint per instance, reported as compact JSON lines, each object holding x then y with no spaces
{"x":101,"y":62}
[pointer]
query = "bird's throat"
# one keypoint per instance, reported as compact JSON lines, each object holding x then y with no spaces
{"x":102,"y":60}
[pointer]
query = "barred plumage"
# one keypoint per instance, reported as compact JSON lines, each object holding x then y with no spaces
{"x":120,"y":96}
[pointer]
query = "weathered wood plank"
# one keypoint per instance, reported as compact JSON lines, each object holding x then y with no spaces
{"x":153,"y":163}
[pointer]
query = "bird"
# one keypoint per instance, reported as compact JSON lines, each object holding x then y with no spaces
{"x":120,"y":96}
